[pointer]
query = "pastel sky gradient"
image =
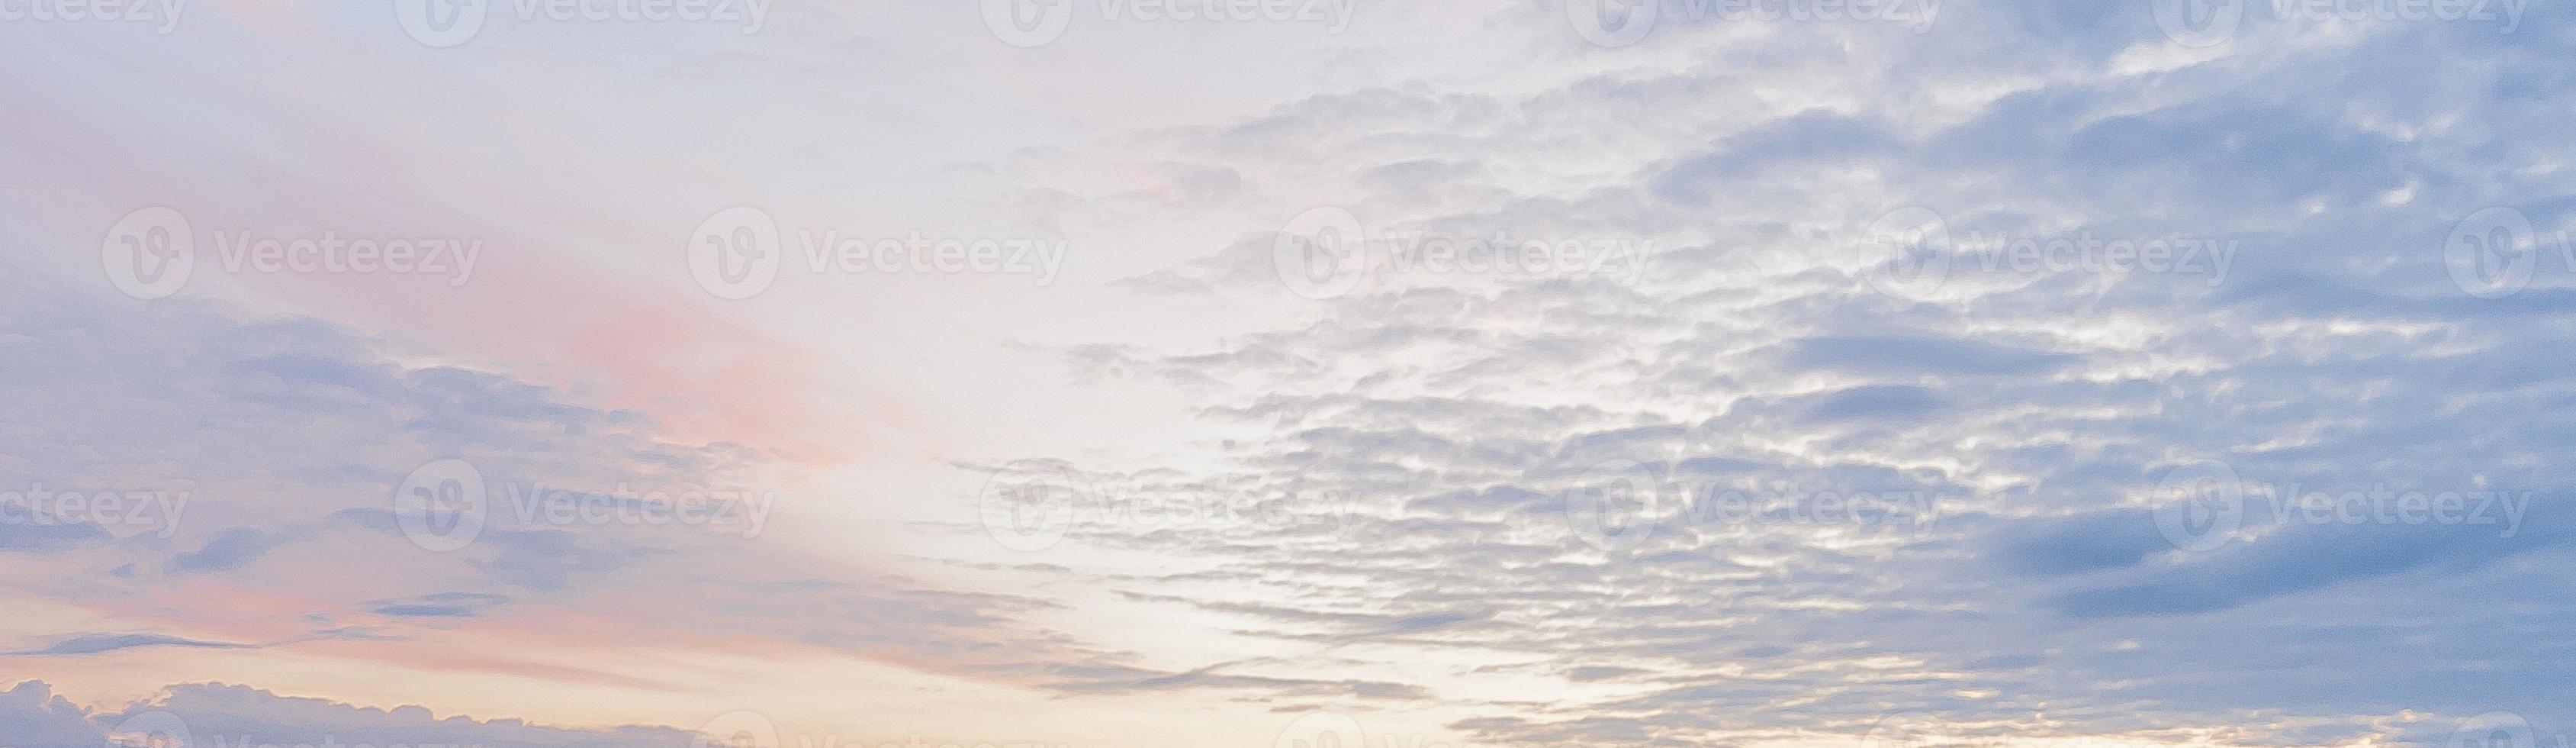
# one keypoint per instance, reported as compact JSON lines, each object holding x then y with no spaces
{"x":1943,"y":372}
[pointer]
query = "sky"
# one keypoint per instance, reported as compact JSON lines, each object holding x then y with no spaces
{"x":1291,"y":373}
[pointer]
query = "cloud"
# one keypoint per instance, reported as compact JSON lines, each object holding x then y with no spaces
{"x":441,"y":605}
{"x":16,"y":536}
{"x":2308,"y":557}
{"x":88,"y":644}
{"x":292,"y":436}
{"x":1897,"y":355}
{"x":230,"y":549}
{"x":31,"y":715}
{"x":2032,"y":409}
{"x":1408,"y":455}
{"x":218,"y":714}
{"x":2081,"y":543}
{"x":1896,"y":401}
